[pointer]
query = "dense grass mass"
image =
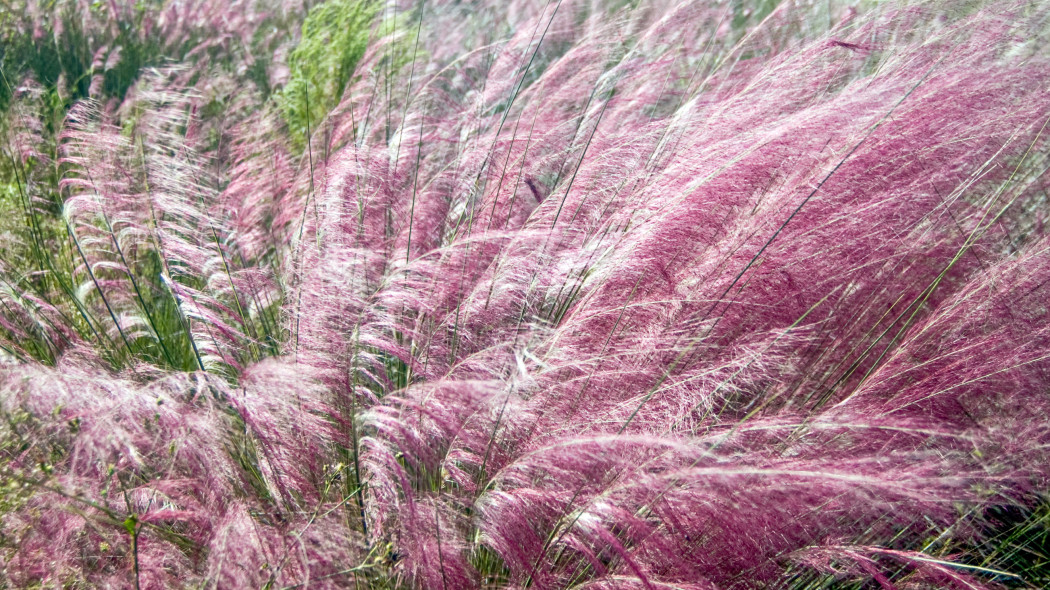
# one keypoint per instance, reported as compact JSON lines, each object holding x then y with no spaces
{"x":550,"y":294}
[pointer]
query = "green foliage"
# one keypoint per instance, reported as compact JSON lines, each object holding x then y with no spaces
{"x":751,"y":13}
{"x":60,"y":57}
{"x":1017,"y":541}
{"x":335,"y":36}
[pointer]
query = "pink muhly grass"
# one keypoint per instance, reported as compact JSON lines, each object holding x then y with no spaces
{"x":560,"y":295}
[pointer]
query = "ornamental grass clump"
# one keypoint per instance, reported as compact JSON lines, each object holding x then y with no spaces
{"x":528,"y":295}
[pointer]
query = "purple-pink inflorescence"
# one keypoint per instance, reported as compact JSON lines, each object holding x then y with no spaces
{"x":560,"y":295}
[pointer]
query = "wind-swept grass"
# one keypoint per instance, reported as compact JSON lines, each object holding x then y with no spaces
{"x":524,"y":295}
